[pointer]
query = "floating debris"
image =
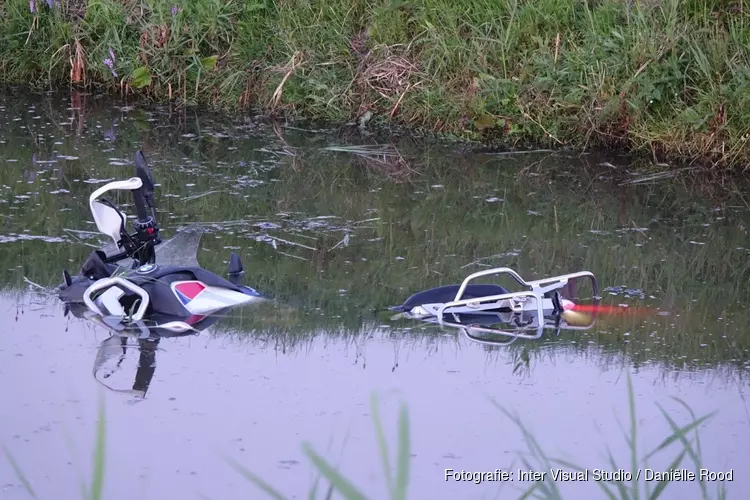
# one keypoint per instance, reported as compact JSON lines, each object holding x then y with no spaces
{"x":201,"y":195}
{"x":627,"y":292}
{"x":520,"y":152}
{"x":275,"y":239}
{"x":377,"y":150}
{"x":98,"y":181}
{"x":513,"y":253}
{"x":13,"y":237}
{"x":117,"y":162}
{"x":658,"y":176}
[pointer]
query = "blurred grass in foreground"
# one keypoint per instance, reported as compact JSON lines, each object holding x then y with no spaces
{"x":684,"y":437}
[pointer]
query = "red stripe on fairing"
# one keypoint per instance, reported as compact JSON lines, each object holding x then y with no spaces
{"x":191,"y":320}
{"x":190,"y":289}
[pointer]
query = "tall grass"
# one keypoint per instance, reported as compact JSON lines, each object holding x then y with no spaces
{"x":538,"y":459}
{"x":535,"y":459}
{"x":685,"y":437}
{"x":95,"y":491}
{"x":397,"y":489}
{"x":666,"y":77}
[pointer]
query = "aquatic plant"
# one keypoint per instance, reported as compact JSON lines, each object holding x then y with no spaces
{"x":662,"y":78}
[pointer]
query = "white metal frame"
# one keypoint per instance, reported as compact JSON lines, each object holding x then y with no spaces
{"x":116,"y":281}
{"x":516,"y":302}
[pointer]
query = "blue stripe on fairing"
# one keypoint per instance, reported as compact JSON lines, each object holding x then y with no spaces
{"x":182,"y":298}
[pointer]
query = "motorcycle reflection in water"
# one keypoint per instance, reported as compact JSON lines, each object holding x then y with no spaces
{"x":490,"y":327}
{"x":116,"y":348}
{"x":115,"y":354}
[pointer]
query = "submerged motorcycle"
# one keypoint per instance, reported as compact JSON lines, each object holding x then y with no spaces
{"x":475,"y":308}
{"x":125,"y":284}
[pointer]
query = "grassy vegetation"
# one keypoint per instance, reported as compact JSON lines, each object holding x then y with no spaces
{"x":536,"y":459}
{"x":663,"y":77}
{"x":685,"y":437}
{"x":93,"y":491}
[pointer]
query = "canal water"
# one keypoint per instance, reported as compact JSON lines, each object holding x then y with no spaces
{"x":337,"y":226}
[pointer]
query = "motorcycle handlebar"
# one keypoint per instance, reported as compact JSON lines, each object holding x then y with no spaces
{"x":140,"y":204}
{"x":145,"y":195}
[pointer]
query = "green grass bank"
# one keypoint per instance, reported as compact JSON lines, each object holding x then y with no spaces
{"x":668,"y":78}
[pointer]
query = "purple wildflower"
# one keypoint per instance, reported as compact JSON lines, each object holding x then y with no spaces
{"x":110,"y":62}
{"x":32,"y":5}
{"x":176,"y":10}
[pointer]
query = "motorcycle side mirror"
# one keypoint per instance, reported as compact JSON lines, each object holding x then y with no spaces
{"x":143,"y":172}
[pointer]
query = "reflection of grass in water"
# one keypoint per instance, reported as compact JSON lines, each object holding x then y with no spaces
{"x":436,"y":231}
{"x":536,"y":459}
{"x":666,"y":343}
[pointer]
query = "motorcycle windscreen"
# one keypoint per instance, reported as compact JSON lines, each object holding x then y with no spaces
{"x":580,"y":290}
{"x":583,"y":292}
{"x":182,"y":248}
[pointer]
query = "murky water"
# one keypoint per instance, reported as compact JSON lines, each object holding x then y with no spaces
{"x":338,"y":237}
